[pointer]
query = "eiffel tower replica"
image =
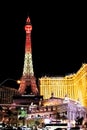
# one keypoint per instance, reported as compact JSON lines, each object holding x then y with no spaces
{"x":28,"y":80}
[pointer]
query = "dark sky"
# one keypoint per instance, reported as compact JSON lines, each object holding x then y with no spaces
{"x":59,"y":38}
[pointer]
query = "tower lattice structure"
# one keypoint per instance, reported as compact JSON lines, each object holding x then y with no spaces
{"x":28,"y":80}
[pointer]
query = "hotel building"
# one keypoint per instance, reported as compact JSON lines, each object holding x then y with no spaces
{"x":74,"y":85}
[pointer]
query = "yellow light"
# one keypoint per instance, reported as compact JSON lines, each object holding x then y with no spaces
{"x":18,"y":81}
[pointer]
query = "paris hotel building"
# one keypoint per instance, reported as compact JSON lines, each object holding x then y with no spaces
{"x":74,"y":85}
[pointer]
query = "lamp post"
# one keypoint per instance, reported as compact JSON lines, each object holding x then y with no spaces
{"x":9,"y":79}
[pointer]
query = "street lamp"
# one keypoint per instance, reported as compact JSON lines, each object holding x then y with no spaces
{"x":9,"y":79}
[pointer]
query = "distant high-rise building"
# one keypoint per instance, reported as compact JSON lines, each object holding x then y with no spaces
{"x":28,"y":80}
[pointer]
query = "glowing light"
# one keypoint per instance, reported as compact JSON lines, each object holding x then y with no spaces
{"x":18,"y":81}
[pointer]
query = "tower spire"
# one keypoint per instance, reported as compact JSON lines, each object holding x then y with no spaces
{"x":28,"y":80}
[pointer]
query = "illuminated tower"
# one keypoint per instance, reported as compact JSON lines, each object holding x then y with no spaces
{"x":28,"y":81}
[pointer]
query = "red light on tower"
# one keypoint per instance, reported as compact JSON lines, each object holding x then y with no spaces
{"x":28,"y":26}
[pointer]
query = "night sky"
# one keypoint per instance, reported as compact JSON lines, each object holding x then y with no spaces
{"x":59,"y":38}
